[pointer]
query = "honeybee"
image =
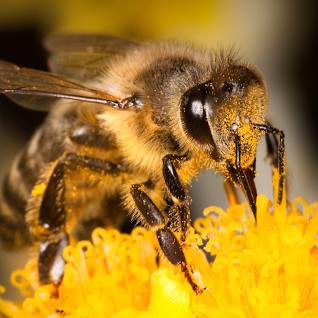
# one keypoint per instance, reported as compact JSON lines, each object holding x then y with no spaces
{"x":129,"y":126}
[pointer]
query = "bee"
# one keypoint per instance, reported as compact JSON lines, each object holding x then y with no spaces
{"x":129,"y":126}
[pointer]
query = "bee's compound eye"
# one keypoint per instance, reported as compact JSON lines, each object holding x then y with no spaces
{"x":193,"y":114}
{"x":230,"y":87}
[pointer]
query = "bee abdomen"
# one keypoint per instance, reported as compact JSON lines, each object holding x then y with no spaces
{"x":15,"y":192}
{"x":13,"y":228}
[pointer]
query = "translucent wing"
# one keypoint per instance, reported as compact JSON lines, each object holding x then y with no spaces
{"x":38,"y":90}
{"x":105,"y":44}
{"x":81,"y":66}
{"x":84,"y":56}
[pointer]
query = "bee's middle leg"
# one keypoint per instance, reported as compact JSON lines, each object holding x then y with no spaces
{"x":52,"y":215}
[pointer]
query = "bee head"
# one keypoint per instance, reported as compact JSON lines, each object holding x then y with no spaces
{"x":215,"y":113}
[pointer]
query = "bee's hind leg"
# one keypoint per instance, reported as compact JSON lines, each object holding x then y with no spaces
{"x":52,"y":215}
{"x":168,"y":242}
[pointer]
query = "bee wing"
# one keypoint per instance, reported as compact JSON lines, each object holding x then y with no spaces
{"x":84,"y":56}
{"x":81,"y":66}
{"x":38,"y":90}
{"x":93,"y":43}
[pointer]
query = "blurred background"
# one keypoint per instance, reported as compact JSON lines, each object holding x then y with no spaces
{"x":279,"y":37}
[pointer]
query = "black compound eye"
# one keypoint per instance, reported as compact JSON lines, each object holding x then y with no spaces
{"x":193,"y":114}
{"x":230,"y":87}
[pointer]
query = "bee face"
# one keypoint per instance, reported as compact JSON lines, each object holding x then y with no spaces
{"x":214,"y":112}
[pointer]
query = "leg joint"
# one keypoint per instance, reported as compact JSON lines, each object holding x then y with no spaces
{"x":171,"y":176}
{"x":147,"y":207}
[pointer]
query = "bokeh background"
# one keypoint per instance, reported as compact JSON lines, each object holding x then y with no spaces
{"x":280,"y":37}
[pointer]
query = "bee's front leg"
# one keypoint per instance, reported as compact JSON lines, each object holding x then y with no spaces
{"x":157,"y":221}
{"x":181,"y":202}
{"x":272,"y":145}
{"x":275,"y":140}
{"x":52,"y":214}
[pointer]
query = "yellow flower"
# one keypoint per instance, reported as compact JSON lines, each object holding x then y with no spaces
{"x":268,"y":269}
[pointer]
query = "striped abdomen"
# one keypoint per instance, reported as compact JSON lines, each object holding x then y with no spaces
{"x":46,"y":145}
{"x":66,"y":131}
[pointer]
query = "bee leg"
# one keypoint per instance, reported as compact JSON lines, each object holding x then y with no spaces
{"x":167,"y":240}
{"x":177,"y":190}
{"x":50,"y":261}
{"x":272,"y":148}
{"x":52,"y":215}
{"x":276,"y":155}
{"x":52,"y":218}
{"x":276,"y":149}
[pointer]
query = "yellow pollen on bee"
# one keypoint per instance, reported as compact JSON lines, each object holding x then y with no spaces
{"x":249,"y":138}
{"x":38,"y":190}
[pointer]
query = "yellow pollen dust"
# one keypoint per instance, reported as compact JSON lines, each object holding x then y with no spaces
{"x":268,"y":269}
{"x":38,"y":189}
{"x":249,"y":139}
